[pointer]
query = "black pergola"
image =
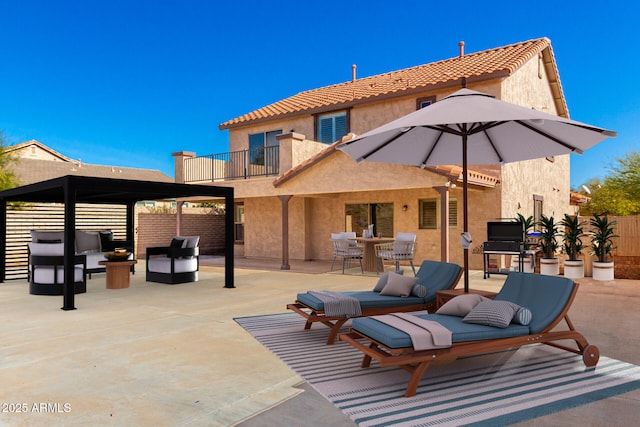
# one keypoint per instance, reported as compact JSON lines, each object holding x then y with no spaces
{"x":70,"y":190}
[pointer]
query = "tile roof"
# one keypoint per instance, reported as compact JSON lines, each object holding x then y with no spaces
{"x":478,"y":66}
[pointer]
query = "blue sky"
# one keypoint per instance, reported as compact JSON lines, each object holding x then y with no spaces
{"x":128,"y":82}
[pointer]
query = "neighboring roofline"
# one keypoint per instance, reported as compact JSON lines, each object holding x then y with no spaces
{"x":278,"y":110}
{"x":49,"y":150}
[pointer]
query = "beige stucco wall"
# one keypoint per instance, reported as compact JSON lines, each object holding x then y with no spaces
{"x":529,"y":87}
{"x":312,"y":219}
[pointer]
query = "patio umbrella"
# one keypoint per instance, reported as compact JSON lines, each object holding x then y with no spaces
{"x":469,"y":127}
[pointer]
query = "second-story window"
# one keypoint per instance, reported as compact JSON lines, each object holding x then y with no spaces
{"x":331,"y":127}
{"x":425,"y":102}
{"x":258,"y":143}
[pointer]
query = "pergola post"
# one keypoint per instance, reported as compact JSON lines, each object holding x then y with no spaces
{"x":228,"y":239}
{"x":69,"y":246}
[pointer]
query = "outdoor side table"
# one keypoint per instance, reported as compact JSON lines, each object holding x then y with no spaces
{"x":118,"y":273}
{"x":447,"y":294}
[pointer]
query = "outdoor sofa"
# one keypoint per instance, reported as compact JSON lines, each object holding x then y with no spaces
{"x":46,"y":259}
{"x":547,"y":298}
{"x":93,"y":244}
{"x":432,"y":275}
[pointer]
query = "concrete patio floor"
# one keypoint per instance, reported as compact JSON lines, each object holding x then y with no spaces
{"x":160,"y":355}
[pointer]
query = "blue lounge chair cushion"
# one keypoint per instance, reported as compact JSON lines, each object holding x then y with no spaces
{"x":433,"y":275}
{"x":545,"y":297}
{"x":460,"y":331}
{"x":368,"y":299}
{"x":436,"y":276}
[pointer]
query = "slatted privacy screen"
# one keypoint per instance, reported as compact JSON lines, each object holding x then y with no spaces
{"x":50,"y":217}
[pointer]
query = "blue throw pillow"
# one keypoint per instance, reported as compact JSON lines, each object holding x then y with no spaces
{"x":523,"y":316}
{"x":418,"y":291}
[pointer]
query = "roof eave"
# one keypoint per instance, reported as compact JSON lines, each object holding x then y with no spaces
{"x":453,"y":83}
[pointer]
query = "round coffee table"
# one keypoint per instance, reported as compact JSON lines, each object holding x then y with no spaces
{"x":118,"y":276}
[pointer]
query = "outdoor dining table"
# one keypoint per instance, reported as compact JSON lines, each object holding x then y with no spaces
{"x":370,"y":261}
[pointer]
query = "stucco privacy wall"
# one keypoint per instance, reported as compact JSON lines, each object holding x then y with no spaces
{"x":529,"y":86}
{"x":158,"y":230}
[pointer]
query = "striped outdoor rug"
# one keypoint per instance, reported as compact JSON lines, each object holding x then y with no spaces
{"x":493,"y":389}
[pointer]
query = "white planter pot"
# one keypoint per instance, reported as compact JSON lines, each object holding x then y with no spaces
{"x":602,"y":270}
{"x":574,"y":269}
{"x":549,"y":266}
{"x":526,"y":265}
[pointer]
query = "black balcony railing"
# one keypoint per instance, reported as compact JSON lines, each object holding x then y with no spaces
{"x":243,"y":164}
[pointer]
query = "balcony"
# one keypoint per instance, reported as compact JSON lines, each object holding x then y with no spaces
{"x":242,"y":164}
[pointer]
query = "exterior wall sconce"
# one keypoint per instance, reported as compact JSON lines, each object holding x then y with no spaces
{"x":404,"y":208}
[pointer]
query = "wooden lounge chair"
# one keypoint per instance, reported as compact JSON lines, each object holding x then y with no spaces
{"x":433,"y":275}
{"x":547,"y":297}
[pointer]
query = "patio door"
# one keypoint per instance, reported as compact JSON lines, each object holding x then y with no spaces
{"x":359,"y":216}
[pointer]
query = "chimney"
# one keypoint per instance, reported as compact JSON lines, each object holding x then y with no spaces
{"x":461,"y":46}
{"x":353,"y":73}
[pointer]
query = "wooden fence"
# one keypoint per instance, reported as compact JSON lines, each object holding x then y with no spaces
{"x":626,"y":255}
{"x":628,"y":230}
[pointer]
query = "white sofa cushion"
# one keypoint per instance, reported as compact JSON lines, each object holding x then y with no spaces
{"x":47,"y":236}
{"x":44,"y":274}
{"x":93,"y":258}
{"x":163,"y":265}
{"x":87,"y":241}
{"x":47,"y":249}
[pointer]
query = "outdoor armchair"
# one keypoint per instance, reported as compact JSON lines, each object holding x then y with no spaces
{"x":402,"y":249}
{"x":346,"y":247}
{"x":176,"y":263}
{"x":46,"y":270}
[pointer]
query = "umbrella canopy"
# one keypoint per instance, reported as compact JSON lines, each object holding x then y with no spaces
{"x":469,"y":127}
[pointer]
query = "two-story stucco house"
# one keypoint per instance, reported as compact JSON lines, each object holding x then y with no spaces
{"x":293,"y":188}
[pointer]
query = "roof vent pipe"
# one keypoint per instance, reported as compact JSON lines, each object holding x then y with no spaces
{"x":461,"y":46}
{"x":353,"y":73}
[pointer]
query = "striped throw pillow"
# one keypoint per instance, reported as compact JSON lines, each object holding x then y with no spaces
{"x":492,"y":313}
{"x":523,"y":316}
{"x":418,"y":291}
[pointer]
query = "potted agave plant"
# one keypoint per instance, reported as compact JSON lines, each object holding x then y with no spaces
{"x":549,"y":264}
{"x":572,"y":246}
{"x":602,"y":245}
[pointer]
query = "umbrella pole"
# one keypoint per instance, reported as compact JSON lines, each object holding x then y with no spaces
{"x":465,"y":213}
